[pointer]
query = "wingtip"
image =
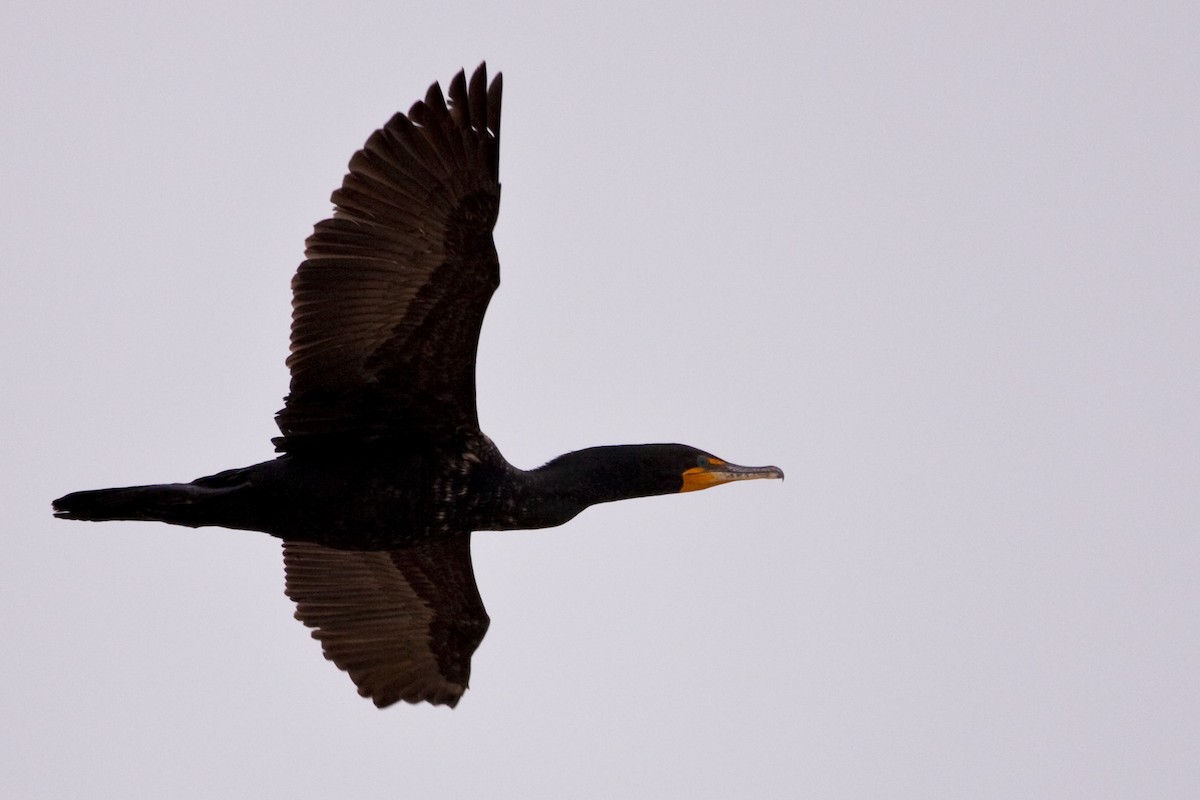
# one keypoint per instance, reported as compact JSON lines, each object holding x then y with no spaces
{"x":387,"y":700}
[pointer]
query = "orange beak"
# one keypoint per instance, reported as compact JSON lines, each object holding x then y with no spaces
{"x":718,"y":472}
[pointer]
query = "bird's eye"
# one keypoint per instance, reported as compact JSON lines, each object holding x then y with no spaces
{"x":702,"y":462}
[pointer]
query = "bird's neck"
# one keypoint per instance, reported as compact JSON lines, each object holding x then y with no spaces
{"x":554,"y":493}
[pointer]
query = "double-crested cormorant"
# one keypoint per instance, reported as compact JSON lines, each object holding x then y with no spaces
{"x":384,"y":472}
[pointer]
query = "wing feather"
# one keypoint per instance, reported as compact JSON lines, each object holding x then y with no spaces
{"x":388,"y":304}
{"x":402,"y":623}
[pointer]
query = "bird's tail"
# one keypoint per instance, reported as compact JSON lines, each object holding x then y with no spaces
{"x":168,"y":502}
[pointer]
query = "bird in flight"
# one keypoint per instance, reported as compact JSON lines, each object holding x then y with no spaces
{"x":384,"y":472}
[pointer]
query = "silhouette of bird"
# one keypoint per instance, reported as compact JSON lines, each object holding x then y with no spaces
{"x":384,"y":471}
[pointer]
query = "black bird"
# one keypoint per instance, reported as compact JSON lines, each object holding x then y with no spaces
{"x":384,"y":472}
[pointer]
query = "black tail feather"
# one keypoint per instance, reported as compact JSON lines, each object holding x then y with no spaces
{"x":168,"y":502}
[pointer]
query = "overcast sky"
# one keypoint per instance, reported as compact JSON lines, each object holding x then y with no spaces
{"x":941,"y":265}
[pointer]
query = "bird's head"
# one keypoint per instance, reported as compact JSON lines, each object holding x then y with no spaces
{"x":636,"y":470}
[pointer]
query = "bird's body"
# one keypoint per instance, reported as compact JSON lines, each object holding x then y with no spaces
{"x":370,"y":496}
{"x":384,"y":472}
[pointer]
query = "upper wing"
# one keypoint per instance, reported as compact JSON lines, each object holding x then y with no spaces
{"x":403,"y":623}
{"x":387,"y":306}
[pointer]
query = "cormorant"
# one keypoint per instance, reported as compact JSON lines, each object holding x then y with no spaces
{"x":384,"y":472}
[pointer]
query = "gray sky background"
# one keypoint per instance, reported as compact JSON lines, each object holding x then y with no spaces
{"x":941,"y":264}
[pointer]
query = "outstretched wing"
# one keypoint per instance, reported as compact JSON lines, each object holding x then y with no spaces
{"x":403,"y":623}
{"x":387,"y":306}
